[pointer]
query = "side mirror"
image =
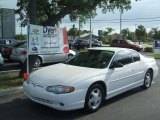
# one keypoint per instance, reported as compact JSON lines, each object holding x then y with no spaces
{"x":116,"y":65}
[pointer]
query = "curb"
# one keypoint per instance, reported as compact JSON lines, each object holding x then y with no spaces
{"x":11,"y":91}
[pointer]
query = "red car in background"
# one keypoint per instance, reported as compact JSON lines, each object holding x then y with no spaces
{"x":125,"y":44}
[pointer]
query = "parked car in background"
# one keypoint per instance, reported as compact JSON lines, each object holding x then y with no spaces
{"x":7,"y":51}
{"x":72,"y":41}
{"x":20,"y":51}
{"x":1,"y":59}
{"x":89,"y":78}
{"x":125,"y":44}
{"x":81,"y":44}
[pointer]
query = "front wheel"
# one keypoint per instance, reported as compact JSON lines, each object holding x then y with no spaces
{"x":94,"y":98}
{"x":147,"y":80}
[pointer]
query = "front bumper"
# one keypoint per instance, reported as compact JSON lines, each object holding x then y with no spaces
{"x":64,"y":102}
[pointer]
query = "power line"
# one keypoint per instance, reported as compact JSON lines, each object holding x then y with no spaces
{"x":123,"y":20}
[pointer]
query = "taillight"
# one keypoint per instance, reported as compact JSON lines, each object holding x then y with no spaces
{"x":23,"y":52}
{"x":9,"y":50}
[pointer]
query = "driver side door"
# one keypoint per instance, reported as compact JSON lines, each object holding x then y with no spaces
{"x":121,"y":78}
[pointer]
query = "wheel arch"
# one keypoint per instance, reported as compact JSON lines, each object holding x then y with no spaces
{"x":150,"y":69}
{"x":40,"y":58}
{"x":102,"y":83}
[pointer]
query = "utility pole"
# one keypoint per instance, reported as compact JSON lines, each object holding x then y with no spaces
{"x":90,"y":42}
{"x":79,"y":27}
{"x":135,"y":33}
{"x":21,"y":28}
{"x":120,"y":24}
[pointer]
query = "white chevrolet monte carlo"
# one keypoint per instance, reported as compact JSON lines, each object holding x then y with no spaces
{"x":89,"y":78}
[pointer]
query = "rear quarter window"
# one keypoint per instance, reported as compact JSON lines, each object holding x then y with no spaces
{"x":24,"y":45}
{"x":135,"y":56}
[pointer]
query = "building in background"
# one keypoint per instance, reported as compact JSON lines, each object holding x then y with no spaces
{"x":7,"y":23}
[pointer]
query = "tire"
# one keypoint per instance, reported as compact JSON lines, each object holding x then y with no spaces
{"x":147,"y":80}
{"x":94,"y":98}
{"x":38,"y":62}
{"x":69,"y":56}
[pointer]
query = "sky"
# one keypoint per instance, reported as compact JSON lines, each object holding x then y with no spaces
{"x":144,"y":12}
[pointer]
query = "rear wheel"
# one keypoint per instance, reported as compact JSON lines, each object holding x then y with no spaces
{"x":94,"y":98}
{"x":147,"y":80}
{"x":69,"y":56}
{"x":38,"y":62}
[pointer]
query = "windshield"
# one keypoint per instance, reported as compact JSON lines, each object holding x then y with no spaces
{"x":92,"y":59}
{"x":130,"y":42}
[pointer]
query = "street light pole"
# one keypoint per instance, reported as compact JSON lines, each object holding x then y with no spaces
{"x":120,"y":23}
{"x":79,"y":28}
{"x":135,"y":33}
{"x":90,"y":42}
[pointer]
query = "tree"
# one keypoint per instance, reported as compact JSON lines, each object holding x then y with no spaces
{"x":107,"y":34}
{"x":32,"y":7}
{"x":50,"y":12}
{"x":73,"y":31}
{"x":155,"y":33}
{"x":131,"y":36}
{"x":125,"y":33}
{"x":140,"y":32}
{"x":108,"y":31}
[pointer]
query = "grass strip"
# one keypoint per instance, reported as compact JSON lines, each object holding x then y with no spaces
{"x":10,"y":79}
{"x":155,"y":55}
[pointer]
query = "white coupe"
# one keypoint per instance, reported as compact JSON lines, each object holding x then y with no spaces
{"x":89,"y":78}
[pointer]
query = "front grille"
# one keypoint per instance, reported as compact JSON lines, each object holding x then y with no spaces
{"x":42,"y":100}
{"x":39,"y":99}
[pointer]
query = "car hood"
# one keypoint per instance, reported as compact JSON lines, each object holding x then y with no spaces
{"x":63,"y":74}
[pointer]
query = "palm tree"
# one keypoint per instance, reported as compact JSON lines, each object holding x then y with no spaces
{"x":110,"y":30}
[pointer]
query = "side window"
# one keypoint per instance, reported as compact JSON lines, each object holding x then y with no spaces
{"x":135,"y":56}
{"x":123,"y":57}
{"x":115,"y":41}
{"x":123,"y":42}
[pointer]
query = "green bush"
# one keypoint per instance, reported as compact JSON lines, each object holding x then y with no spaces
{"x":148,"y":49}
{"x":21,"y":37}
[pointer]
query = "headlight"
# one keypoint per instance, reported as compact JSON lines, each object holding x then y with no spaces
{"x":140,"y":46}
{"x":59,"y":89}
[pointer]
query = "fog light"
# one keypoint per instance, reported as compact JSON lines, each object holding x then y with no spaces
{"x":61,"y":104}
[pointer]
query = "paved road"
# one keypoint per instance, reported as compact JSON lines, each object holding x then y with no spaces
{"x":136,"y":104}
{"x":15,"y":66}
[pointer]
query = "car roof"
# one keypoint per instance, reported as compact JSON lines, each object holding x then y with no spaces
{"x":114,"y":49}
